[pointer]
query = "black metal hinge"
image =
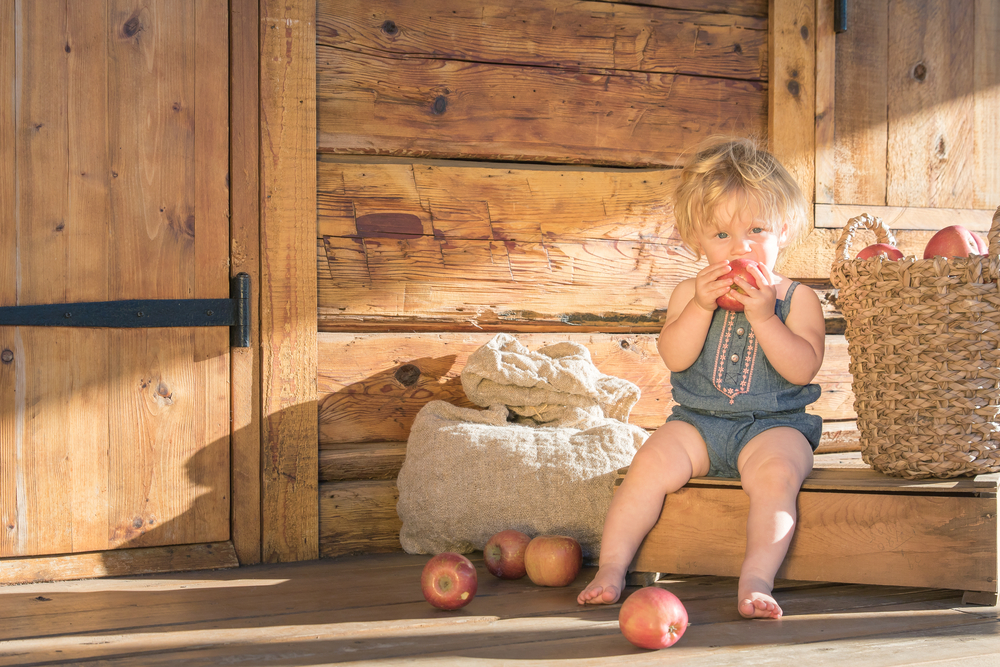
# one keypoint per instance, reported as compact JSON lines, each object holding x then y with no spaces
{"x":233,"y":312}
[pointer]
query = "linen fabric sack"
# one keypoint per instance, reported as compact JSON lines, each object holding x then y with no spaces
{"x":541,"y":458}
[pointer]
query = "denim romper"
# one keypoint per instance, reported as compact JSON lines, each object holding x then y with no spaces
{"x":731,"y":393}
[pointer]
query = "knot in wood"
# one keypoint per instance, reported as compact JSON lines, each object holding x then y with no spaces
{"x":389,"y":28}
{"x":920,"y":72}
{"x":407,"y":375}
{"x":440,"y":105}
{"x":6,"y":356}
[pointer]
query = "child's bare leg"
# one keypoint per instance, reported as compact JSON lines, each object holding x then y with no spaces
{"x":666,"y":461}
{"x":772,"y":466}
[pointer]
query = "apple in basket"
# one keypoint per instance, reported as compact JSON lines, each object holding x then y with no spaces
{"x":652,"y":617}
{"x":955,"y":241}
{"x":504,"y":554}
{"x":553,"y":560}
{"x":883,"y":250}
{"x":741,"y":268}
{"x":449,"y":581}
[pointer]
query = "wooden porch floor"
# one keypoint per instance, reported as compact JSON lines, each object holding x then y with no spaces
{"x":369,"y":610}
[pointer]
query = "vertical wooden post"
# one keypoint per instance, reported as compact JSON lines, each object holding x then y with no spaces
{"x":244,"y":172}
{"x":290,"y":482}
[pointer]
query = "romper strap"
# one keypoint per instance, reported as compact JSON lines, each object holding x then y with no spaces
{"x":786,"y":303}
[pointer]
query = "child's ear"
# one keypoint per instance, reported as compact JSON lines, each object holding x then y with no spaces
{"x":783,"y":234}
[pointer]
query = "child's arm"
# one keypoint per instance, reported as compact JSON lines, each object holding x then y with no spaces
{"x":689,"y":315}
{"x":795,"y":347}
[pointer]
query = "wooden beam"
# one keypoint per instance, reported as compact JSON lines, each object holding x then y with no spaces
{"x":244,"y":201}
{"x":290,"y":515}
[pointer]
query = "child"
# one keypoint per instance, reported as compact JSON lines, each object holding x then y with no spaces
{"x":742,"y":380}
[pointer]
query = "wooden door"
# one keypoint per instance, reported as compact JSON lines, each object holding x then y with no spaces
{"x":908,"y":115}
{"x":114,"y":152}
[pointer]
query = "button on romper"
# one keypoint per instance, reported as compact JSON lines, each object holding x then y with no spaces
{"x":731,"y":393}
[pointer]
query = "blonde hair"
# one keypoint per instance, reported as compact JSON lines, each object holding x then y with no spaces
{"x":721,"y":168}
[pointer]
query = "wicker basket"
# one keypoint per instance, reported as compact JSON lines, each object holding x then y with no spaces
{"x":924,"y":341}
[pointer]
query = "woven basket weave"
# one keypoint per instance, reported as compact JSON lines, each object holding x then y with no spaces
{"x":924,"y":340}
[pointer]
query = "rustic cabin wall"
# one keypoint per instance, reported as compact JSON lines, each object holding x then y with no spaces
{"x":487,"y":167}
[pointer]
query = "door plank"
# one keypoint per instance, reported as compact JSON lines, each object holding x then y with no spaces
{"x":986,"y":133}
{"x":860,"y":111}
{"x":8,"y":278}
{"x":930,"y":158}
{"x":168,"y":200}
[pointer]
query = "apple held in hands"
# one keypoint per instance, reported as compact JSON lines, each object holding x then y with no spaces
{"x":653,"y":618}
{"x":883,"y":250}
{"x":504,"y":554}
{"x":955,"y":241}
{"x":553,"y":560}
{"x":737,"y":267}
{"x":449,"y":581}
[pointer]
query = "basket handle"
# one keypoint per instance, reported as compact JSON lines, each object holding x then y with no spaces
{"x":882,"y":232}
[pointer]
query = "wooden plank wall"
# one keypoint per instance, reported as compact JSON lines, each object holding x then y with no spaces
{"x":507,"y":166}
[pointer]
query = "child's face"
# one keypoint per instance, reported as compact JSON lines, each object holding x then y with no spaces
{"x":736,"y":231}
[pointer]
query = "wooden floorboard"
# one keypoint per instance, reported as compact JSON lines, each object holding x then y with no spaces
{"x":369,"y":610}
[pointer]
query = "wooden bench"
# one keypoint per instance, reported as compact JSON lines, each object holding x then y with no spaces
{"x":855,"y":525}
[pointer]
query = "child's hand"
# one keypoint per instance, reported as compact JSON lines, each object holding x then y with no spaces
{"x":758,"y":302}
{"x":708,"y":287}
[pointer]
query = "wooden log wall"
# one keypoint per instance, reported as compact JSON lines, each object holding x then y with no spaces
{"x":506,"y":166}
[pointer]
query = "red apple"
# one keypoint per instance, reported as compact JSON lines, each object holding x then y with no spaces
{"x":449,"y":581}
{"x":553,"y":560}
{"x":883,"y":250}
{"x":737,"y":267}
{"x":504,"y":554}
{"x":955,"y":241}
{"x":652,"y":617}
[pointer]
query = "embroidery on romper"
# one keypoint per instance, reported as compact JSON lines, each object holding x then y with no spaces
{"x":737,"y":382}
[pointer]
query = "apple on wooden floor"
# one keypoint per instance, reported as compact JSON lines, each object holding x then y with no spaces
{"x":553,"y":560}
{"x":653,"y":618}
{"x":449,"y":581}
{"x":504,"y":554}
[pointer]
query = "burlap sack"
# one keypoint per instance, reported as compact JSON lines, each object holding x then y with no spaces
{"x":469,"y":473}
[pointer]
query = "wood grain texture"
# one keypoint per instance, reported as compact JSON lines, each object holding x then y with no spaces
{"x":901,"y":218}
{"x":986,"y":109}
{"x":290,"y":521}
{"x":359,"y":517}
{"x":792,"y":89}
{"x":826,"y":88}
{"x":886,"y":539}
{"x":860,"y":114}
{"x":244,"y":171}
{"x":560,"y":33}
{"x":120,"y":159}
{"x":456,"y":109}
{"x":477,"y":246}
{"x":371,"y":386}
{"x":124,"y":562}
{"x":8,"y":277}
{"x":930,"y":159}
{"x":211,"y":618}
{"x":168,"y":209}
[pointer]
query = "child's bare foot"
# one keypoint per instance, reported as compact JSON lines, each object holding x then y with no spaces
{"x":605,"y":588}
{"x":755,"y":601}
